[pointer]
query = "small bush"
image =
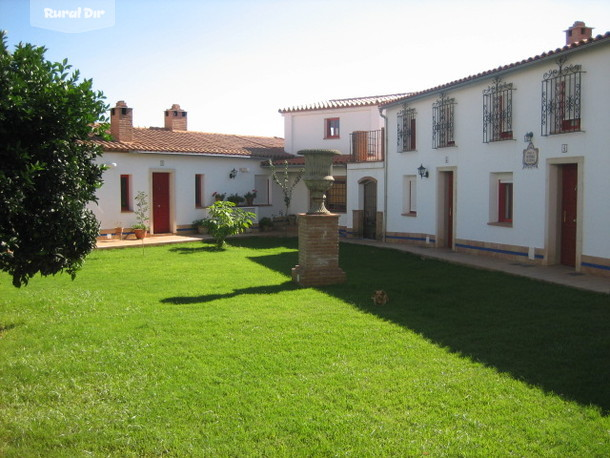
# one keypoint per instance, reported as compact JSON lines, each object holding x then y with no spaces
{"x":225,"y":220}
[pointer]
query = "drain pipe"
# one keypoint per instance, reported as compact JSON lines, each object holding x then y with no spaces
{"x":385,"y":173}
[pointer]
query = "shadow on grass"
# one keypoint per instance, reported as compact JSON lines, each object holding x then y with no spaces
{"x":266,"y":289}
{"x":553,"y":337}
{"x":261,"y":243}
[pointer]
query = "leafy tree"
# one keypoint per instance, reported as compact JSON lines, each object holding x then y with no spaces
{"x":224,"y":219}
{"x":285,"y":183}
{"x":47,"y":173}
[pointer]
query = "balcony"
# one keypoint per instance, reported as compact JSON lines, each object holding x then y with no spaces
{"x":367,"y":146}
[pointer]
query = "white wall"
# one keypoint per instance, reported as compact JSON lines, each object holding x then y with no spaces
{"x":474,"y":160}
{"x":305,"y":130}
{"x":183,"y":169}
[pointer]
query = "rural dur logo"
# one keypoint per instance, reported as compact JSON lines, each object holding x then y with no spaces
{"x":72,"y":16}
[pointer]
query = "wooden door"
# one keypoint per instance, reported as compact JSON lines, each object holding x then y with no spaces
{"x":449,"y":210}
{"x":370,"y":210}
{"x":160,"y":202}
{"x":569,"y":184}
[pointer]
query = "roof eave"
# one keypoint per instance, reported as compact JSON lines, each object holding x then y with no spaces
{"x":551,"y":55}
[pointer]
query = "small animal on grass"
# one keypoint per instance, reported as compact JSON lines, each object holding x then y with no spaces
{"x":380,"y":297}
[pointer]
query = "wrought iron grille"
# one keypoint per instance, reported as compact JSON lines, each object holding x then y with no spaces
{"x":498,"y":112}
{"x":367,"y":146}
{"x":443,"y":122}
{"x":561,"y":99}
{"x":336,"y":196}
{"x":406,"y":129}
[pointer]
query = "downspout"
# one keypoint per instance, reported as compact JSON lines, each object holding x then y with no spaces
{"x":385,"y":172}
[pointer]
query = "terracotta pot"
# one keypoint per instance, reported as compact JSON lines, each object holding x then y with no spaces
{"x":140,"y":233}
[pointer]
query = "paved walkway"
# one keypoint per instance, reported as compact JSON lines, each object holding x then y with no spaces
{"x":562,"y":275}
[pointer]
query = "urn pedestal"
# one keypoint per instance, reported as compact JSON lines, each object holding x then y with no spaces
{"x":318,"y":229}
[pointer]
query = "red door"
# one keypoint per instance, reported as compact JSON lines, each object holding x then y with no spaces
{"x":449,"y":208}
{"x":160,"y":202}
{"x":569,"y":183}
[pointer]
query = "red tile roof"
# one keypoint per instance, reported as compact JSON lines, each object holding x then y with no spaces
{"x":198,"y":143}
{"x":345,"y":103}
{"x":554,"y":53}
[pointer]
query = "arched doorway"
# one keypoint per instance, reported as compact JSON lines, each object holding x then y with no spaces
{"x":369,"y":206}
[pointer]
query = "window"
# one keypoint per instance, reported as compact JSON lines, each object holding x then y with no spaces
{"x":498,"y":112}
{"x":199,"y":191}
{"x":561,"y":99}
{"x":443,"y":122}
{"x":501,"y":198}
{"x":409,"y":204}
{"x":336,"y":196}
{"x":126,"y":204}
{"x":331,"y":128}
{"x":406,"y":129}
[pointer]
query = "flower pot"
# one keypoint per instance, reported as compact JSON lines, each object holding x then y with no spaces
{"x":118,"y":233}
{"x":140,"y":233}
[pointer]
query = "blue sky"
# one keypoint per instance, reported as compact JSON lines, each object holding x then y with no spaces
{"x":233,"y":63}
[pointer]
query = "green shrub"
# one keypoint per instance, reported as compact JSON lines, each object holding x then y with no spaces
{"x":226,"y":220}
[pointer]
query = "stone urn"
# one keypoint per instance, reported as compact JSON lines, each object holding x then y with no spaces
{"x":318,"y":177}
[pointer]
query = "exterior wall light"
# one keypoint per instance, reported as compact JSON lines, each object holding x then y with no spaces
{"x":423,"y":171}
{"x":233,"y":173}
{"x":528,"y":137}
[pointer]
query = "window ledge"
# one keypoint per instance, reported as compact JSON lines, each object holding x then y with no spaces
{"x":500,"y":224}
{"x":410,"y":214}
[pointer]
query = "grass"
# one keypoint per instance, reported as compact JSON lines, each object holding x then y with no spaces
{"x":187,"y":351}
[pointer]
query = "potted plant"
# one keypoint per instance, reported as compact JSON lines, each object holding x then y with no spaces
{"x":142,"y":215}
{"x":203,"y":225}
{"x":250,"y":196}
{"x":218,"y":196}
{"x":265,"y":224}
{"x":235,"y":198}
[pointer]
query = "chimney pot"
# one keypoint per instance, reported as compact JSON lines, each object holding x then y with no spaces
{"x":175,"y":118}
{"x":579,"y":31}
{"x":121,"y":122}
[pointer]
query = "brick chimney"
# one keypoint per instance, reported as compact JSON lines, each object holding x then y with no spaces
{"x":579,"y":31}
{"x":175,"y":118}
{"x":121,"y":122}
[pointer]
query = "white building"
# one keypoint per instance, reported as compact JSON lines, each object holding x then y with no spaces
{"x":356,"y":129}
{"x":180,"y":170}
{"x":512,"y":162}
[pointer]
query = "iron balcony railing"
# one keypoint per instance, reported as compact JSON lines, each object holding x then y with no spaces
{"x":367,"y":146}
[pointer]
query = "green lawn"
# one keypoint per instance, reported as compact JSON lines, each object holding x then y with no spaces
{"x":185,"y":351}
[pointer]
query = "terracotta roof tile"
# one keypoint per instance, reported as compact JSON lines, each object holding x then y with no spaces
{"x":345,"y":103}
{"x":200,"y":143}
{"x":486,"y":74}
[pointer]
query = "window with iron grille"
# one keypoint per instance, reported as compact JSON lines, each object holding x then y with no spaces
{"x":443,"y":122}
{"x":498,"y":112}
{"x":406,"y":129}
{"x":561,"y":99}
{"x":336,"y":196}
